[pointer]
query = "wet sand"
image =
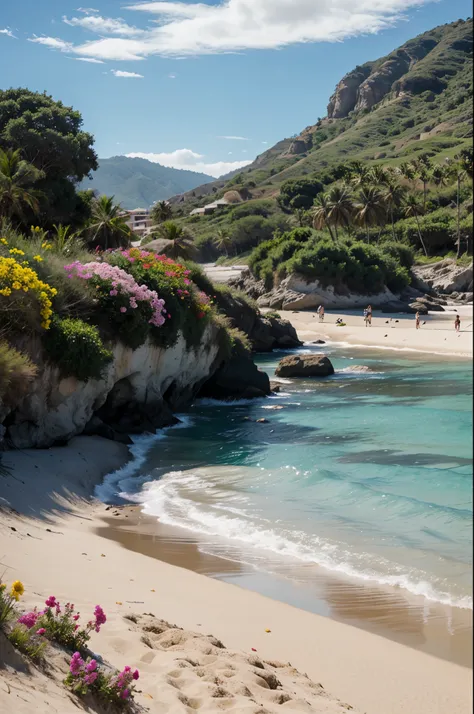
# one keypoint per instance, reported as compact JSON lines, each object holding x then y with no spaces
{"x":439,"y":630}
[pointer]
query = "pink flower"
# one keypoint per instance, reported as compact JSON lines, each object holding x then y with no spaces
{"x":90,"y":678}
{"x":28,"y":619}
{"x":123,"y":309}
{"x":76,"y":663}
{"x":113,"y":293}
{"x":51,"y":601}
{"x":92,"y":666}
{"x":76,"y":617}
{"x":136,"y":674}
{"x":41,"y":631}
{"x":99,"y":614}
{"x":125,"y":694}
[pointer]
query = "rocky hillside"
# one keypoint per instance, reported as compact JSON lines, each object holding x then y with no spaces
{"x":417,"y":99}
{"x":138,"y":183}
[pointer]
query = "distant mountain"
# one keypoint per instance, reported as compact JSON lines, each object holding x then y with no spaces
{"x":138,"y":183}
{"x":417,"y":99}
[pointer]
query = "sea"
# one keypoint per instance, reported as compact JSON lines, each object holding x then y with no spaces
{"x":365,"y":476}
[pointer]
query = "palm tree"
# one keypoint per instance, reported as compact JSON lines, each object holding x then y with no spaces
{"x":440,"y":175}
{"x":341,"y":207}
{"x":423,"y":173}
{"x":370,"y":208}
{"x":321,"y":214}
{"x":361,"y":174}
{"x":459,"y":170}
{"x":223,"y":241}
{"x":407,"y":171}
{"x":16,"y":180}
{"x":161,"y":212}
{"x":181,"y":244}
{"x":413,"y":209}
{"x":108,"y":227}
{"x":378,"y":175}
{"x":392,"y":195}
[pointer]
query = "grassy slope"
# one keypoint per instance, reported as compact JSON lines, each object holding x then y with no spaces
{"x":393,"y":131}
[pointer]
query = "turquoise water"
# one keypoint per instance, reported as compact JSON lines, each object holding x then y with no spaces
{"x":368,"y":475}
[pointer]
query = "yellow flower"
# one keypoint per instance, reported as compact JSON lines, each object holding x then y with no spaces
{"x":17,"y":590}
{"x":4,"y":241}
{"x":16,"y":285}
{"x":38,"y":258}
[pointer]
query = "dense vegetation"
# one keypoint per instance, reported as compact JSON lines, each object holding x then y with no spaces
{"x":396,"y":170}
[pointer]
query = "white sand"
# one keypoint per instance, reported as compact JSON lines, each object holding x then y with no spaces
{"x":181,"y":672}
{"x":436,"y":336}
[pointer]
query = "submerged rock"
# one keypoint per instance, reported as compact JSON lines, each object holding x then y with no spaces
{"x":304,"y":366}
{"x":237,"y":379}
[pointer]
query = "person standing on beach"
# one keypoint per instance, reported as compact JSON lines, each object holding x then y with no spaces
{"x":321,"y":313}
{"x":417,"y":320}
{"x":457,"y":323}
{"x":369,"y":315}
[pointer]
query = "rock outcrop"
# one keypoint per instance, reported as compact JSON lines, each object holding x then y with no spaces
{"x":346,"y":95}
{"x":264,"y":333}
{"x":237,"y":379}
{"x":139,"y":391}
{"x":444,"y":277}
{"x":304,"y":366}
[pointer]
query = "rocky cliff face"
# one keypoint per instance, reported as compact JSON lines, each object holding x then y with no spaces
{"x":346,"y":95}
{"x":138,"y":391}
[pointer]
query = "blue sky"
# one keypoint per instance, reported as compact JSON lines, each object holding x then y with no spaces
{"x":208,"y":73}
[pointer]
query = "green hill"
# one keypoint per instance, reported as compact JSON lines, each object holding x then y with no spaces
{"x":416,"y":100}
{"x":138,"y":183}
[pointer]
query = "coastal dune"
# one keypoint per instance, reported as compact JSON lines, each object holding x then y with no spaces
{"x":50,"y":541}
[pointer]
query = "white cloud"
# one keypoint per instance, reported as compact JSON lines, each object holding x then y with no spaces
{"x":172,"y":76}
{"x":103,"y":25}
{"x":264,"y":142}
{"x":234,"y":138}
{"x":87,"y":10}
{"x":184,"y":29}
{"x":190,"y":160}
{"x":130,"y":75}
{"x":53,"y":42}
{"x":8,"y":33}
{"x":87,"y":59}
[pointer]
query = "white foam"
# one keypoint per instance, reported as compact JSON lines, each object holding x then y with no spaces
{"x":118,"y":482}
{"x":167,"y":500}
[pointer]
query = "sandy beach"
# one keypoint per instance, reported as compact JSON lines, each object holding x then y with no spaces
{"x":436,"y":335}
{"x":50,"y":541}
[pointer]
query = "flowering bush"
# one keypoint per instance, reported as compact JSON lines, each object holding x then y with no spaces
{"x":8,"y":598}
{"x":21,"y":285}
{"x":130,"y":307}
{"x":186,"y":306}
{"x":85,"y":676}
{"x":61,"y":624}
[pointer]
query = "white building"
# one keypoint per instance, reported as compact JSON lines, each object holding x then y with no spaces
{"x":139,"y":221}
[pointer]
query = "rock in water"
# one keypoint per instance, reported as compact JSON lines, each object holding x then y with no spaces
{"x":304,"y":366}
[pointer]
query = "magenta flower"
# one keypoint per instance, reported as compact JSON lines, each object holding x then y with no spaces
{"x":136,"y":674}
{"x":123,"y":309}
{"x":28,"y":619}
{"x":92,"y":666}
{"x":76,"y":617}
{"x":90,"y":678}
{"x":51,"y":601}
{"x":125,"y":694}
{"x":76,"y":664}
{"x":41,"y":631}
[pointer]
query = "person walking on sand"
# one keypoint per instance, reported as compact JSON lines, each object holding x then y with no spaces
{"x":457,"y":323}
{"x":369,"y":315}
{"x":417,"y":320}
{"x":321,"y":313}
{"x":366,"y":318}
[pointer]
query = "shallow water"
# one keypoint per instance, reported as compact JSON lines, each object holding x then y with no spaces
{"x":368,"y":475}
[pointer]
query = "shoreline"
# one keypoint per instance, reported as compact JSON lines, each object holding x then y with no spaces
{"x":391,"y":332}
{"x":89,"y":568}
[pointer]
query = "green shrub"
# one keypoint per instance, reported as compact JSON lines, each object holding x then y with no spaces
{"x":403,"y":254}
{"x":299,"y":193}
{"x":76,"y":348}
{"x":16,"y":373}
{"x":253,"y":208}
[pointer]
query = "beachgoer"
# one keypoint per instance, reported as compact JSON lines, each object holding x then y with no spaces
{"x":366,"y":317}
{"x":369,"y":315}
{"x":417,"y":320}
{"x":321,"y":313}
{"x":457,"y":323}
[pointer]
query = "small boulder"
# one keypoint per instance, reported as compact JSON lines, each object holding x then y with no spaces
{"x":418,"y":307}
{"x":304,"y":366}
{"x":318,"y":342}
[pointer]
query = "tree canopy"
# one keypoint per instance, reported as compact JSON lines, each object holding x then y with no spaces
{"x":49,"y":136}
